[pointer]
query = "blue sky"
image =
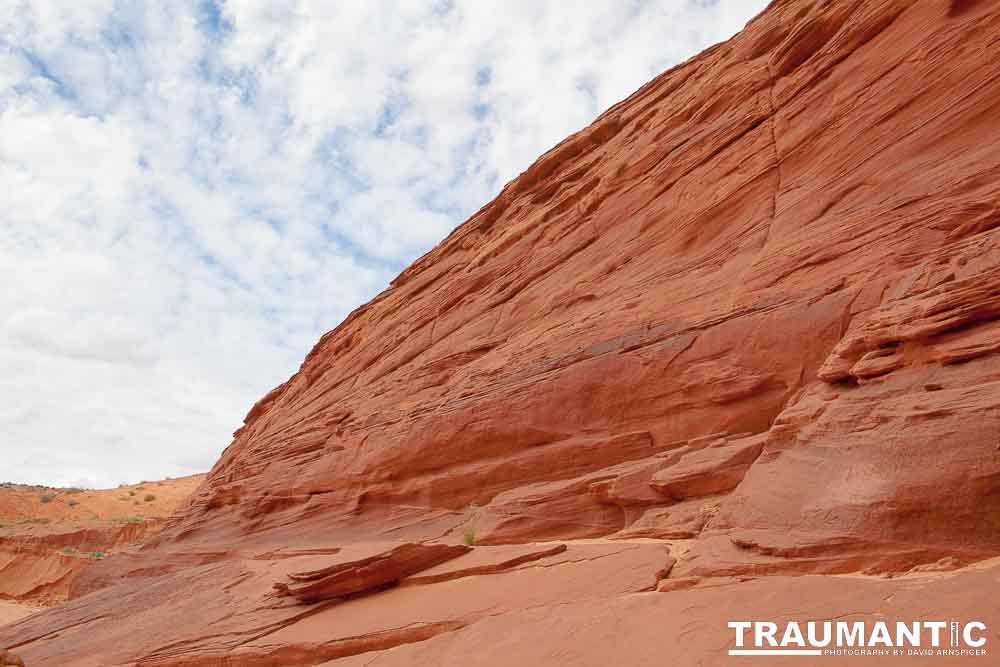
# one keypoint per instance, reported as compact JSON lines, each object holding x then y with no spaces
{"x":194,"y":191}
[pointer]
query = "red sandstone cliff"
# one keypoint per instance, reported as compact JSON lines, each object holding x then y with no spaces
{"x":48,"y":536}
{"x":738,"y":336}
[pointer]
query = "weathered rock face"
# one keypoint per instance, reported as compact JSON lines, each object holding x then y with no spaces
{"x":356,"y":577}
{"x":745,"y":324}
{"x":49,"y":536}
{"x":9,"y":659}
{"x":38,"y":563}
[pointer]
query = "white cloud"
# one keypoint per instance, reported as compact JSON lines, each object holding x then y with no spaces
{"x":194,"y":192}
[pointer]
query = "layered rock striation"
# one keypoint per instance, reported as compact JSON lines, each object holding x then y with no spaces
{"x":736,"y":337}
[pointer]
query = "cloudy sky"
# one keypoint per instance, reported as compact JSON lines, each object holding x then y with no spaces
{"x":192,"y":192}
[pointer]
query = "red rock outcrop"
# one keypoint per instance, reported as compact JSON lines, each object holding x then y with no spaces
{"x":9,"y":659}
{"x":38,"y":562}
{"x":49,"y":536}
{"x":369,"y":574}
{"x":738,"y":335}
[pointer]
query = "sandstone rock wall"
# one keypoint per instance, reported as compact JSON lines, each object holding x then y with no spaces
{"x":743,"y":327}
{"x":790,"y":240}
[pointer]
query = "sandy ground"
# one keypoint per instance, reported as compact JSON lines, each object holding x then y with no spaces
{"x":19,"y":504}
{"x":13,"y":611}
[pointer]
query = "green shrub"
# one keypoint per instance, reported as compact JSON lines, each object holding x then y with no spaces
{"x":47,"y":497}
{"x":469,"y":538}
{"x":97,"y":555}
{"x":70,"y":551}
{"x":134,"y":518}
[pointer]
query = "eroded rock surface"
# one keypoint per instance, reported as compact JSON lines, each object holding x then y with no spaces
{"x":734,"y":346}
{"x":369,"y":574}
{"x":8,"y":659}
{"x":38,"y":563}
{"x":49,"y":536}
